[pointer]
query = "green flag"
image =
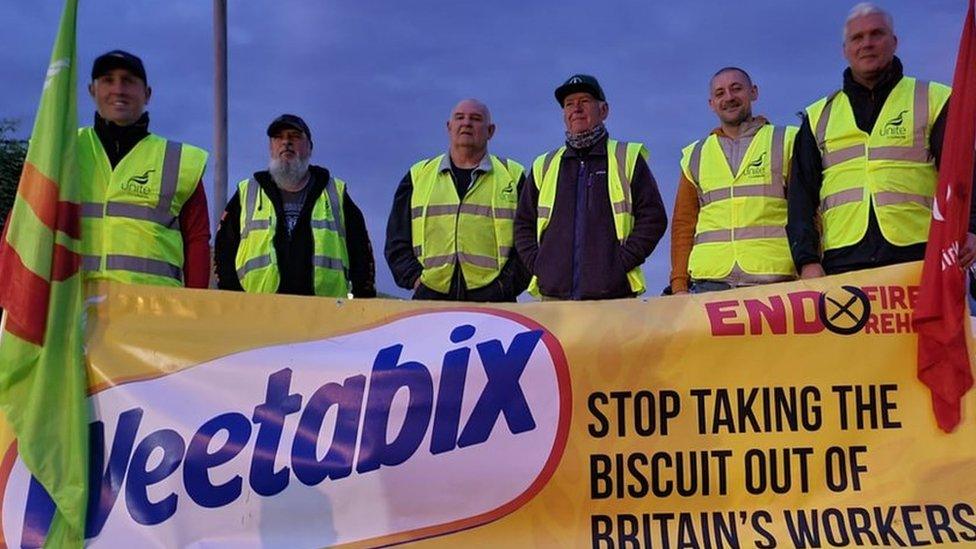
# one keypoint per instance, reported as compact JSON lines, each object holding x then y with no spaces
{"x":42,"y":373}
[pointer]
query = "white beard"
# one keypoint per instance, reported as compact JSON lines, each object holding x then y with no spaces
{"x":288,"y":173}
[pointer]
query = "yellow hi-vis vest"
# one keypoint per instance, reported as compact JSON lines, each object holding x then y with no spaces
{"x":475,"y":231}
{"x":130,"y":214}
{"x":742,"y":220}
{"x":891,"y":169}
{"x":545,"y":173}
{"x":257,"y":261}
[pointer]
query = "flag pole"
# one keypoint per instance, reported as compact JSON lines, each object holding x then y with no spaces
{"x":220,"y":113}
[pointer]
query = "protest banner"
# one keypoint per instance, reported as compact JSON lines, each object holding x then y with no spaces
{"x":786,"y":415}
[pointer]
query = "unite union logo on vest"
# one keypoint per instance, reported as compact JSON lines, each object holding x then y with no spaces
{"x":895,"y":127}
{"x":137,"y":184}
{"x":432,"y":423}
{"x":757,"y":167}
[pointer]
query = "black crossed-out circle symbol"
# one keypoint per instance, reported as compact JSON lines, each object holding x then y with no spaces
{"x":846,"y":315}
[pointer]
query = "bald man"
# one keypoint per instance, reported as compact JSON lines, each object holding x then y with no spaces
{"x":450,"y":231}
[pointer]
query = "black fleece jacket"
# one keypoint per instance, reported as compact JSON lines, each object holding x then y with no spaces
{"x":806,"y":179}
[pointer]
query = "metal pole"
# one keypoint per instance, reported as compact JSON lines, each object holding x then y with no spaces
{"x":220,"y":112}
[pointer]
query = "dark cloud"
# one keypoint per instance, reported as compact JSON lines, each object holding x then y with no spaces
{"x":375,"y":81}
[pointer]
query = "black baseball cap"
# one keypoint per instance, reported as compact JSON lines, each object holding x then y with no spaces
{"x":579,"y":83}
{"x":118,"y":59}
{"x":289,"y":121}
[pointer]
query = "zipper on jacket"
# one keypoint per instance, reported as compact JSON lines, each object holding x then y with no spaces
{"x":575,"y":291}
{"x":457,"y":219}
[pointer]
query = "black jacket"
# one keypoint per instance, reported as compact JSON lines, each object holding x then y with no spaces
{"x":295,"y":256}
{"x":510,"y":282}
{"x":806,"y":179}
{"x":582,"y":258}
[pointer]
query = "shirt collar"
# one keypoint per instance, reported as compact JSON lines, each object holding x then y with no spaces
{"x":483,"y":167}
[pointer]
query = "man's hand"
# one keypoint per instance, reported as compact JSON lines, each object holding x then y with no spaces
{"x":968,"y":252}
{"x":812,"y":270}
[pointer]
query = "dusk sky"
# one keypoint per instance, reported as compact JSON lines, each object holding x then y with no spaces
{"x":376,"y":80}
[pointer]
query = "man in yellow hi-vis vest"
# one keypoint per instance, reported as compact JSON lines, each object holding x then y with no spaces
{"x":293,"y":228}
{"x":729,"y":222}
{"x":591,"y":212}
{"x":449,"y":236}
{"x":866,"y":160}
{"x":144,"y":212}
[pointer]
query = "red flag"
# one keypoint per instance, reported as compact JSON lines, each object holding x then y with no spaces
{"x":943,"y":361}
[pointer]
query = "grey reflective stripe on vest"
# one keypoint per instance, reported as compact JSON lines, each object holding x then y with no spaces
{"x":694,"y":162}
{"x":333,"y":192}
{"x":890,"y":198}
{"x":621,"y":207}
{"x":505,"y":213}
{"x":438,"y":261}
{"x":503,"y":251}
{"x":621,"y":154}
{"x":416,"y":212}
{"x":474,"y":209}
{"x":760,"y":189}
{"x":431,"y":211}
{"x":169,"y":182}
{"x":921,"y":115}
{"x":776,"y":160}
{"x":908,"y":154}
{"x":918,"y":152}
{"x":543,"y":211}
{"x":833,"y":158}
{"x":250,"y":204}
{"x":545,"y":165}
{"x":821,"y":131}
{"x":91,"y":262}
{"x":142,"y":265}
{"x":841,"y":197}
{"x":329,"y":224}
{"x":478,"y":260}
{"x":254,"y":263}
{"x":741,"y":233}
{"x":705,"y":199}
{"x":327,"y":262}
{"x":92,"y":209}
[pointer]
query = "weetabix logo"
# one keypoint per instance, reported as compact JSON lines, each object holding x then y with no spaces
{"x":323,"y":442}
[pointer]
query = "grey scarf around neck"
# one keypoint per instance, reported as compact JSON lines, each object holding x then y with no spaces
{"x":586,"y":139}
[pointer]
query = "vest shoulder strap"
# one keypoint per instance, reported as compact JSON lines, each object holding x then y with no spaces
{"x":514,"y":169}
{"x":541,"y":165}
{"x":820,"y":132}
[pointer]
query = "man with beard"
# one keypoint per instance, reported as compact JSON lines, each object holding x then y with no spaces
{"x":729,"y":222}
{"x":591,"y":211}
{"x":144,"y":213}
{"x":866,"y":160}
{"x":294,"y":229}
{"x":449,"y":236}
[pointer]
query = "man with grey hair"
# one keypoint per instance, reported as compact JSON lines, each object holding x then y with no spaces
{"x":294,"y":229}
{"x":591,"y":212}
{"x":866,"y":160}
{"x":449,"y":236}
